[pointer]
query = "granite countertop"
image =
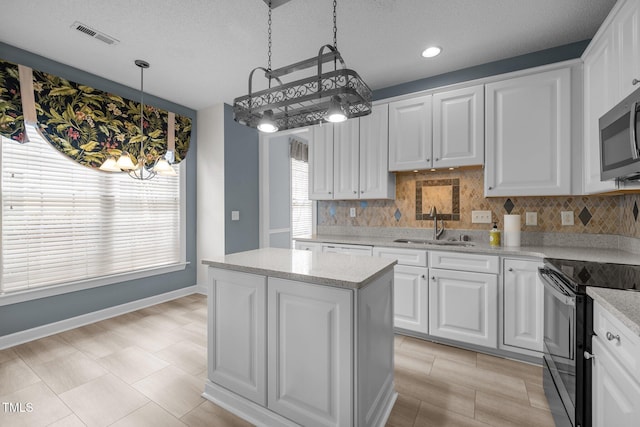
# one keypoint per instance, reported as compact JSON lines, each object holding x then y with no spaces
{"x":345,"y":271}
{"x":562,"y":252}
{"x":624,"y":305}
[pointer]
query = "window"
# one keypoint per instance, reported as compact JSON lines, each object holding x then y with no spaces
{"x":63,"y":222}
{"x":301,"y":206}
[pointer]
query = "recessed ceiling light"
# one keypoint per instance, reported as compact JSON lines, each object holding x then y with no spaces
{"x":431,"y":51}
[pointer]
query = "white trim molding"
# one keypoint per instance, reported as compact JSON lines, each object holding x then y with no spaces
{"x":96,"y":316}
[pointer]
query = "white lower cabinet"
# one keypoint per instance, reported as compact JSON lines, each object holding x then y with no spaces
{"x":310,"y":326}
{"x":238,"y":304}
{"x":616,"y":371}
{"x":523,"y":297}
{"x":410,"y":293}
{"x":463,"y":306}
{"x":410,"y":287}
{"x":615,"y":394}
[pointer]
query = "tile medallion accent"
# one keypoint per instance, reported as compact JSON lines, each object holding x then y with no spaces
{"x":397,"y":215}
{"x":585,"y":216}
{"x":443,"y":194}
{"x":364,"y":204}
{"x":508,"y":206}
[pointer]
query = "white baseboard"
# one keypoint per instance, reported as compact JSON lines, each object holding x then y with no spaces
{"x":85,"y":319}
{"x":201,"y":289}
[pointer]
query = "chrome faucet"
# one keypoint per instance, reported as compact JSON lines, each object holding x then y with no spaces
{"x":436,"y":233}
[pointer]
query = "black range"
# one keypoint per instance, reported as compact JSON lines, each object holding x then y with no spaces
{"x":568,"y":328}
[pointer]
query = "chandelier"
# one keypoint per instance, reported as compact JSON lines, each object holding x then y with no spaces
{"x":333,"y":96}
{"x":146,"y":166}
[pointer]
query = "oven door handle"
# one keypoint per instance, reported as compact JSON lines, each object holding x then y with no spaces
{"x":632,"y":130}
{"x":552,"y":287}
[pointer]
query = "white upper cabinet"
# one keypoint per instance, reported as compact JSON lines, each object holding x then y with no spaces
{"x":410,"y":134}
{"x":375,"y":180}
{"x":625,"y":27}
{"x":445,"y":129}
{"x":346,"y":158}
{"x":611,"y":62}
{"x":321,"y":163}
{"x":528,"y":129}
{"x":599,"y":97}
{"x":458,"y":127}
{"x":349,"y":160}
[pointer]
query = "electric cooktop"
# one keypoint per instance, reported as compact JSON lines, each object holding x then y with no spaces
{"x":598,"y":274}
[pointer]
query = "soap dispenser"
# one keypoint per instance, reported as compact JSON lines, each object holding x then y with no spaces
{"x":494,"y":235}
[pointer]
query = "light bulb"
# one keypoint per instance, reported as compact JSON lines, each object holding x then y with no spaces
{"x":267,"y":124}
{"x":431,"y":51}
{"x":335,"y":113}
{"x":110,"y":165}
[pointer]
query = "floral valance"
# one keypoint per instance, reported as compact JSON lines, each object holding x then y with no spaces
{"x":87,"y":124}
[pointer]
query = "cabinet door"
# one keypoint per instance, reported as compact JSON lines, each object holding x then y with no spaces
{"x":410,"y":298}
{"x":346,"y":158}
{"x":523,"y":300}
{"x":464,"y":306}
{"x":375,"y":180}
{"x":626,"y":29}
{"x":237,"y":333}
{"x":410,"y":134}
{"x":529,"y":135}
{"x":310,"y":353}
{"x":458,"y":127}
{"x":321,"y":163}
{"x":599,"y":96}
{"x":615,"y":395}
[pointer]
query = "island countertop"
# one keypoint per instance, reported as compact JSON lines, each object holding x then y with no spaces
{"x":345,"y":271}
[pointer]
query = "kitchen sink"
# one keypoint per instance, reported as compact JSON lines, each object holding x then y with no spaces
{"x":435,"y":242}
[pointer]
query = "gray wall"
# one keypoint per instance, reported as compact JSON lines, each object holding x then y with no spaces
{"x":240,"y":185}
{"x":26,"y":315}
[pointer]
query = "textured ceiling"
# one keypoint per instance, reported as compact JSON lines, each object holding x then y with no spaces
{"x":201,"y":51}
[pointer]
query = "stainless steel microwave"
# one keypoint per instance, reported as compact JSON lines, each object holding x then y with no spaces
{"x":619,"y":150}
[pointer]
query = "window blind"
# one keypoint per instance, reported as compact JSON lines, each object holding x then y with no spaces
{"x":301,"y":206}
{"x":63,"y":222}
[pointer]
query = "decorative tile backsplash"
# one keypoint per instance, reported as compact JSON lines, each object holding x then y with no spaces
{"x":592,"y":214}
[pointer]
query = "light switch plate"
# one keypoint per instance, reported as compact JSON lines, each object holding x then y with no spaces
{"x":481,"y":217}
{"x":567,"y":217}
{"x":352,"y":212}
{"x":235,"y":215}
{"x":531,"y":218}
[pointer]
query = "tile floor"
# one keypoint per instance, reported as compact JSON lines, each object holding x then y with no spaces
{"x":148,"y":368}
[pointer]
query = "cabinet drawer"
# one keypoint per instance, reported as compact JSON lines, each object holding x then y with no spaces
{"x":415,"y":257}
{"x":309,"y":246}
{"x":626,"y":349}
{"x":464,"y":262}
{"x":347,"y":249}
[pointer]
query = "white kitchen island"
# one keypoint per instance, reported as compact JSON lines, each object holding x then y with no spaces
{"x":301,"y":338}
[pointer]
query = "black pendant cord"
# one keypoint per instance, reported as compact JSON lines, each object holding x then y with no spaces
{"x":269,"y":45}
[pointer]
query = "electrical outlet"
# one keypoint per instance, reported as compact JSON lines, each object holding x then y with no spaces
{"x":567,"y":217}
{"x":235,"y":215}
{"x":352,"y":212}
{"x":531,"y":218}
{"x":481,"y":217}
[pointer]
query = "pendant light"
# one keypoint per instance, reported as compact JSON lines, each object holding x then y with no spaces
{"x":334,"y":95}
{"x":143,"y":169}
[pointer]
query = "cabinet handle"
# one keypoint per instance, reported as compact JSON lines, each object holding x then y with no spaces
{"x":490,"y":188}
{"x":423,"y":276}
{"x":612,"y":337}
{"x":437,"y":159}
{"x":635,"y":82}
{"x":510,"y":269}
{"x":329,"y":192}
{"x":588,"y":355}
{"x":355,"y":192}
{"x":362,"y":191}
{"x":428,"y":160}
{"x":433,"y":277}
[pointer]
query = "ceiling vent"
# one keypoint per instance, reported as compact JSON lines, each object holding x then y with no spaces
{"x":85,"y":29}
